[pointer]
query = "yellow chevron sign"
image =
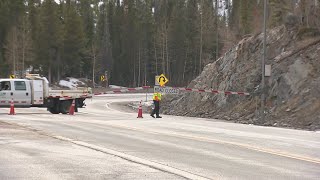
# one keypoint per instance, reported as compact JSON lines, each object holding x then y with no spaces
{"x":162,"y":79}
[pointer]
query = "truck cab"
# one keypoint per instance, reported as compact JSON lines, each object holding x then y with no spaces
{"x":17,"y":90}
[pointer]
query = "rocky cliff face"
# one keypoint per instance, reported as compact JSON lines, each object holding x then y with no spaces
{"x":293,"y":89}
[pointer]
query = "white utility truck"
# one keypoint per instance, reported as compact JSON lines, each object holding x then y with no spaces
{"x":34,"y":91}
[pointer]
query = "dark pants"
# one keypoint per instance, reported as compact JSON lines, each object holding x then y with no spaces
{"x":156,"y":108}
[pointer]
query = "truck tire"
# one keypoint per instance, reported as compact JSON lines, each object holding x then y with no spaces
{"x":54,"y":110}
{"x":53,"y":105}
{"x":80,"y":102}
{"x":65,"y":106}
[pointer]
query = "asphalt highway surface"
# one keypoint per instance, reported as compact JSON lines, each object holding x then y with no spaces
{"x":103,"y":141}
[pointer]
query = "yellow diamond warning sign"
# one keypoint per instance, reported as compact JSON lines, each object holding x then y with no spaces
{"x":162,"y":80}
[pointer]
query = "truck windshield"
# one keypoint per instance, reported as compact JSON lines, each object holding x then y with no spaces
{"x":20,"y":86}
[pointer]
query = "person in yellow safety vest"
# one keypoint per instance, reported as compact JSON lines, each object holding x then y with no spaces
{"x":156,"y":101}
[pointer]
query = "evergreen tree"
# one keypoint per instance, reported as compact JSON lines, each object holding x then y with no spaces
{"x":10,"y":12}
{"x":279,"y":10}
{"x":73,"y":43}
{"x":49,"y":40}
{"x":104,"y":51}
{"x":88,"y":19}
{"x":246,"y":17}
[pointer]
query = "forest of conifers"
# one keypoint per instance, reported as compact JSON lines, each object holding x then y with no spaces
{"x":133,"y":40}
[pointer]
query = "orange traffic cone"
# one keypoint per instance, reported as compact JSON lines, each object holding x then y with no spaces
{"x":12,"y":108}
{"x":71,"y":110}
{"x":140,"y":111}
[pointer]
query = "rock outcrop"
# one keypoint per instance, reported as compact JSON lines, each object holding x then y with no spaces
{"x":292,"y":90}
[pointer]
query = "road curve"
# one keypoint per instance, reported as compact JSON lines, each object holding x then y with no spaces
{"x":177,"y":147}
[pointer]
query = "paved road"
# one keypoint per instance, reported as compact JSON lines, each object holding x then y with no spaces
{"x":101,"y":142}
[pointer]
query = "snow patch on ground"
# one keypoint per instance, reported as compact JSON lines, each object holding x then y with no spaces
{"x":68,"y":84}
{"x":146,"y":105}
{"x":116,"y":87}
{"x":71,"y":83}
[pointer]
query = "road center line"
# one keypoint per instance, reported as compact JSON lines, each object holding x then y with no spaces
{"x":204,"y":139}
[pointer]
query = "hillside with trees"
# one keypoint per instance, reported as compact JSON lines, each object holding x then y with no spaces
{"x":133,"y":40}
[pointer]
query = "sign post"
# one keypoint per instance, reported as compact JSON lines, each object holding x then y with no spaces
{"x":156,"y":81}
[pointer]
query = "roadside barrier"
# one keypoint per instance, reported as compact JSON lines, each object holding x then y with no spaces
{"x":124,"y":90}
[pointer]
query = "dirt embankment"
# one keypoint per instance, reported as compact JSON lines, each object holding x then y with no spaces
{"x":292,"y":90}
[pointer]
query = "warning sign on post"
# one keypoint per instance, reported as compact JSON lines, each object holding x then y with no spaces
{"x":162,"y":80}
{"x":102,"y":78}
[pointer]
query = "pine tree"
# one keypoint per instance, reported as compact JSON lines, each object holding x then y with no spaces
{"x":177,"y":43}
{"x":73,"y":43}
{"x":279,"y":10}
{"x":191,"y":68}
{"x":88,"y":19}
{"x":105,"y":40}
{"x":18,"y":46}
{"x":10,"y":12}
{"x":246,"y":17}
{"x":49,"y":40}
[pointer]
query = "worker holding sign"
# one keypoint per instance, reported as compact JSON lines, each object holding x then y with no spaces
{"x":160,"y":80}
{"x":156,"y":100}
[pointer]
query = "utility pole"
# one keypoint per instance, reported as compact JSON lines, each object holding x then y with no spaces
{"x":217,"y":33}
{"x":263,"y":62}
{"x":201,"y":33}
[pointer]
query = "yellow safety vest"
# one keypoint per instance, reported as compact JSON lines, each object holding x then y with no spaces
{"x":157,"y":95}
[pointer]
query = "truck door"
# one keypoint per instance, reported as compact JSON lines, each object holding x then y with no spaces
{"x":21,"y":93}
{"x":5,"y":93}
{"x":37,"y":92}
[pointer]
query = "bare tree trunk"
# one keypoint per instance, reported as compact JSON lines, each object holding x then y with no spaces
{"x":145,"y":72}
{"x":139,"y":73}
{"x":59,"y":61}
{"x":14,"y":49}
{"x":23,"y":51}
{"x":155,"y":56}
{"x":49,"y":73}
{"x":163,"y":49}
{"x":185,"y":65}
{"x":167,"y":53}
{"x":134,"y":71}
{"x":24,"y":44}
{"x":93,"y":65}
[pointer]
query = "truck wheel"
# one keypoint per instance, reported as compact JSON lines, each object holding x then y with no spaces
{"x":80,"y":102}
{"x":65,"y":106}
{"x":54,"y":110}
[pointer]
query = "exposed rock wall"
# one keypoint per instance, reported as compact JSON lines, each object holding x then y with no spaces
{"x":293,"y":90}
